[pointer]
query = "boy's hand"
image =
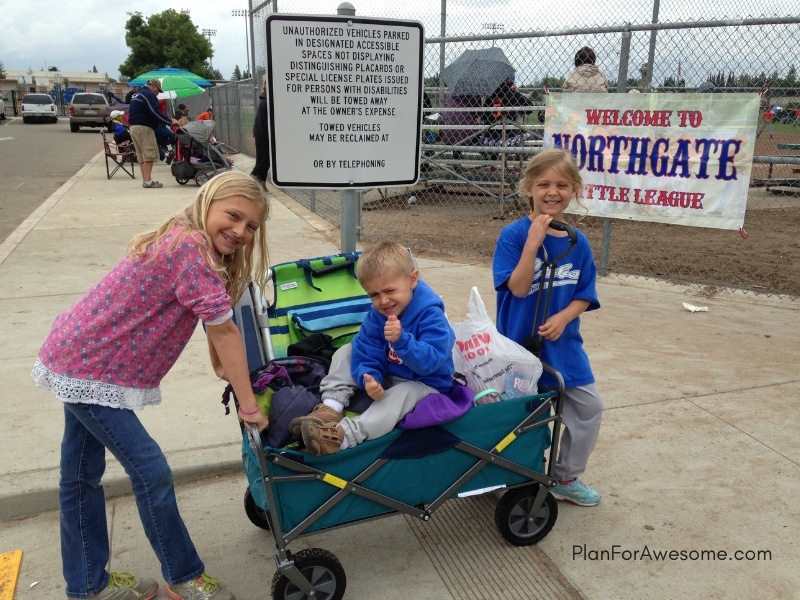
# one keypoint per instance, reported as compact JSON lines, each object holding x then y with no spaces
{"x":372,"y":387}
{"x":393,"y":329}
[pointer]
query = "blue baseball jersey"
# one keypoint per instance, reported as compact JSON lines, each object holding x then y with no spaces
{"x":575,"y":279}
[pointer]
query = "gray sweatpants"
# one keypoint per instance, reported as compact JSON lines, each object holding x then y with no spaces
{"x":583,"y":411}
{"x":400,"y":396}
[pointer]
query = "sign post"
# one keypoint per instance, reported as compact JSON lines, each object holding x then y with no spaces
{"x":345,"y":101}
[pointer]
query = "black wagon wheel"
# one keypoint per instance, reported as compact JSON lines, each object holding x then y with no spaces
{"x":201,"y":177}
{"x":181,"y":180}
{"x":516,"y":520}
{"x":322,"y":570}
{"x":258,"y":516}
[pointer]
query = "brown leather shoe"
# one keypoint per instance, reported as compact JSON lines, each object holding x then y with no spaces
{"x":321,"y":414}
{"x":322,"y":439}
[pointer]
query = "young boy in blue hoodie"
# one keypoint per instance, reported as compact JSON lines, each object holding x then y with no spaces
{"x":402,"y":353}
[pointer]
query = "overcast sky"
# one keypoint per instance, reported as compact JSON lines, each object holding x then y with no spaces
{"x":77,"y":36}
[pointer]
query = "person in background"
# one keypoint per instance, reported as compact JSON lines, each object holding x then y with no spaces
{"x":185,"y":111}
{"x":206,"y":116}
{"x":550,"y":181}
{"x":505,"y":95}
{"x":121,"y":133}
{"x":105,"y":358}
{"x":130,"y":94}
{"x":144,"y":118}
{"x":261,"y":135}
{"x":586,"y":77}
{"x":766,"y":120}
{"x":165,"y":136}
{"x":179,"y":119}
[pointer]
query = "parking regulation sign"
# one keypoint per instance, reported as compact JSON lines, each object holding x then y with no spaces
{"x":345,"y":100}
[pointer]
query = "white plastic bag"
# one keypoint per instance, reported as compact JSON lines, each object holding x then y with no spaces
{"x":488,"y":359}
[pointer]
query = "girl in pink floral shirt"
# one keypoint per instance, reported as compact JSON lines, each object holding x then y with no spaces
{"x":107,"y":355}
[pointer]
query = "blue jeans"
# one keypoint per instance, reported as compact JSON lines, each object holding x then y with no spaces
{"x":88,"y":430}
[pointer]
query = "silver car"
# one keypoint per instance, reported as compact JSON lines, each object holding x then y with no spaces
{"x":89,"y":109}
{"x":38,"y":107}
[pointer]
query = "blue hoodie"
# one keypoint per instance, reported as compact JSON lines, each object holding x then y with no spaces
{"x":423,"y":353}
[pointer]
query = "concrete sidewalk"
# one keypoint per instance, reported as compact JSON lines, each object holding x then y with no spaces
{"x":697,"y":453}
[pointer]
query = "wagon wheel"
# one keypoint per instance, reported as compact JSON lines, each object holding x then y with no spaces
{"x":517,"y":523}
{"x":257,"y":516}
{"x":201,"y":177}
{"x":181,"y":180}
{"x":322,"y":570}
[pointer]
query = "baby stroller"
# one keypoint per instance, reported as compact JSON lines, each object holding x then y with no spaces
{"x":409,"y":471}
{"x":199,"y":155}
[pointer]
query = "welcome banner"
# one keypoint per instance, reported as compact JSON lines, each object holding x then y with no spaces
{"x":684,"y":159}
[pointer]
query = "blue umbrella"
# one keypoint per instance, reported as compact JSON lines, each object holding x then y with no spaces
{"x":164,"y":72}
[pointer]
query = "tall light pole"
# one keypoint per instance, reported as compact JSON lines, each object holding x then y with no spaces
{"x":209,"y":33}
{"x":241,"y":12}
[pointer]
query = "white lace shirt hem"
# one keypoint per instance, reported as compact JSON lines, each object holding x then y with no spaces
{"x":89,"y":391}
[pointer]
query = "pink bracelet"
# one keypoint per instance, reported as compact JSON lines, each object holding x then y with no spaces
{"x":252,"y":412}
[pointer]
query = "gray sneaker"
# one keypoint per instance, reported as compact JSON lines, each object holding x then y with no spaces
{"x":151,"y":184}
{"x":204,"y":587}
{"x":125,"y":586}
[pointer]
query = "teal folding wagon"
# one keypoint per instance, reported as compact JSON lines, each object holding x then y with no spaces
{"x":413,"y":472}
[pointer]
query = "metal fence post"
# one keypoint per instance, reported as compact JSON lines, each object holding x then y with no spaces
{"x":647,"y":84}
{"x":348,"y":199}
{"x":622,"y":87}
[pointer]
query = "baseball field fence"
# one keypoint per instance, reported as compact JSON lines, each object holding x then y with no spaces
{"x":467,"y":193}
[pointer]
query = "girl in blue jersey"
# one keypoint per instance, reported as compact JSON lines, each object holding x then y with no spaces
{"x":550,"y":182}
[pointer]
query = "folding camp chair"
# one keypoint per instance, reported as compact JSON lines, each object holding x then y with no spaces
{"x":122,"y":155}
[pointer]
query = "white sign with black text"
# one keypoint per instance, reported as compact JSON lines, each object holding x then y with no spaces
{"x":345,"y":100}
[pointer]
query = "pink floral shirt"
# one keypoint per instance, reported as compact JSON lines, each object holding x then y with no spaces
{"x":130,"y":328}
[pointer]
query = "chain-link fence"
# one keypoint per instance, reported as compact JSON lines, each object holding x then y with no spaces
{"x":468,"y":189}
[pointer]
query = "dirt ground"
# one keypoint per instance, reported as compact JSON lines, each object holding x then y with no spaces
{"x":763,"y":258}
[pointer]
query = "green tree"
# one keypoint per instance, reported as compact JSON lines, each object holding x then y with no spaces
{"x":430,"y":82}
{"x":237,"y":74}
{"x":166,"y":39}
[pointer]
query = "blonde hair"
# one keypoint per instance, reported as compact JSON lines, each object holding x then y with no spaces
{"x":382,"y":258}
{"x":264,"y":84}
{"x":553,"y":158}
{"x":237,"y":269}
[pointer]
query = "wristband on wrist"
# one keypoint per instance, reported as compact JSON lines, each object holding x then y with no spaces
{"x":252,"y":412}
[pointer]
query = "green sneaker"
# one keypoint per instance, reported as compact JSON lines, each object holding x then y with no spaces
{"x":204,"y":587}
{"x":126,"y":586}
{"x":576,"y":492}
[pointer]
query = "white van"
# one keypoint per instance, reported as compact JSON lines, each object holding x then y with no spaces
{"x":38,"y":107}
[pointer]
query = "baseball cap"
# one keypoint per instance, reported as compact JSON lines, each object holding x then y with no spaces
{"x":156,"y":84}
{"x":115,"y":114}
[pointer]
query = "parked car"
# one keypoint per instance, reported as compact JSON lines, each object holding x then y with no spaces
{"x":2,"y":110}
{"x":38,"y":107}
{"x":89,"y":109}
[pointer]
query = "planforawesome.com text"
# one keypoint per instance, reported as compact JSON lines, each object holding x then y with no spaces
{"x":617,"y":552}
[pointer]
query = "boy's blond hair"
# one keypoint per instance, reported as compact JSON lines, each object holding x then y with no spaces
{"x":382,"y":258}
{"x":236,"y":269}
